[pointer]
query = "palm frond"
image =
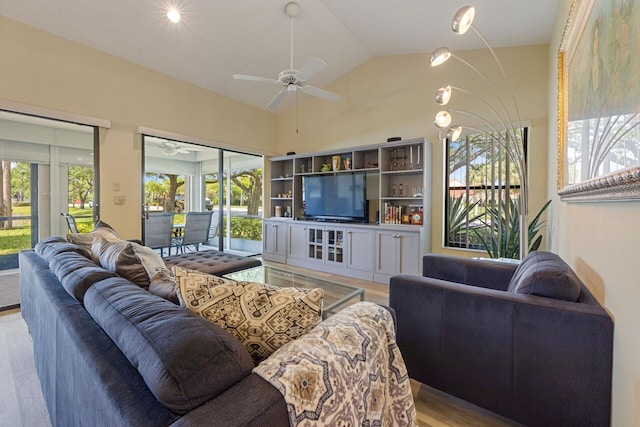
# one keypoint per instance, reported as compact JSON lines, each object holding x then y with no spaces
{"x":501,"y":236}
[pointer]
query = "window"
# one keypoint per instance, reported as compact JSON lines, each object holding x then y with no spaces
{"x":482,"y":191}
{"x":48,"y":167}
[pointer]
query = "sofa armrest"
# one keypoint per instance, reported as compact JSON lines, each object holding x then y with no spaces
{"x":252,"y":402}
{"x":486,"y":273}
{"x":510,"y":353}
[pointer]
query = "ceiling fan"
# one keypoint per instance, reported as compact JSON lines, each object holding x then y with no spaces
{"x":171,"y":148}
{"x":293,"y":80}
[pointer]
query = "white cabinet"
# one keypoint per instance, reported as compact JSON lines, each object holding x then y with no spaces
{"x":359,"y":245}
{"x":397,"y":194}
{"x":325,"y":245}
{"x":396,"y":252}
{"x":274,"y":241}
{"x":297,"y":247}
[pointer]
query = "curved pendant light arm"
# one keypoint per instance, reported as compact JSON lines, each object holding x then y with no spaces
{"x":504,"y":75}
{"x":493,"y":89}
{"x":514,"y":150}
{"x":486,"y":104}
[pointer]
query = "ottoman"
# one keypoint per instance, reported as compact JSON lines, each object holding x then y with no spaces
{"x":212,"y":262}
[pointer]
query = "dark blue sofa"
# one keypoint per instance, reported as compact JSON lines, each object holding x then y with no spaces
{"x":109,"y":353}
{"x":529,"y":342}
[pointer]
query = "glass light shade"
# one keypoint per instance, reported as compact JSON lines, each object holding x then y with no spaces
{"x":463,"y":19}
{"x":443,"y":95}
{"x":440,"y":55}
{"x":454,"y":133}
{"x":442,"y":119}
{"x":174,"y":16}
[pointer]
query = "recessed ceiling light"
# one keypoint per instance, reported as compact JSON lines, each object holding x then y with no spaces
{"x":174,"y":15}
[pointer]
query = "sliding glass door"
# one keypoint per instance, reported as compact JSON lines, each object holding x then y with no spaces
{"x":47,"y":168}
{"x":182,"y":177}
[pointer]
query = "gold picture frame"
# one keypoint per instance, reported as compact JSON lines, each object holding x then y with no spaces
{"x":599,"y":102}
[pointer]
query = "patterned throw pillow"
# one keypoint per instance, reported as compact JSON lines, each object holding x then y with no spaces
{"x":101,"y":229}
{"x":262,"y":317}
{"x":193,"y":279}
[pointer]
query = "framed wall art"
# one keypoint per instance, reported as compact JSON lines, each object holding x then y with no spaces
{"x":599,"y":102}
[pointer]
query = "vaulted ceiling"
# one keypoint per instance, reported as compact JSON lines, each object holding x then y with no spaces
{"x":217,"y":39}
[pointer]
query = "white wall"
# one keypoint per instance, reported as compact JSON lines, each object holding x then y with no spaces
{"x":599,"y":240}
{"x":43,"y":70}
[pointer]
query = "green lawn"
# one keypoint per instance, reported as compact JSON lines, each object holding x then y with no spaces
{"x":19,"y":236}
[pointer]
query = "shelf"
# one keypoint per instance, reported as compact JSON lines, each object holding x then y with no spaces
{"x":403,"y":172}
{"x":402,"y":198}
{"x":285,"y":178}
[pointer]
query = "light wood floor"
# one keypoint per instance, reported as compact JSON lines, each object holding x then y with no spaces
{"x":22,"y":403}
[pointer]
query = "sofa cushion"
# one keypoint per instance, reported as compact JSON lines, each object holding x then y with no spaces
{"x":130,"y":260}
{"x":545,"y":274}
{"x":184,"y":360}
{"x":262,"y":317}
{"x":101,"y":229}
{"x":77,"y":273}
{"x":51,"y":246}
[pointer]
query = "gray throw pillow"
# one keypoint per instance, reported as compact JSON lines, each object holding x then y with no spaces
{"x":545,"y":274}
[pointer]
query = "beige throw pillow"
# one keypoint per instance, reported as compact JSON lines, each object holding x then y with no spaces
{"x":262,"y":317}
{"x":101,"y":229}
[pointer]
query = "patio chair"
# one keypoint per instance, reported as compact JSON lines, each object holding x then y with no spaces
{"x":196,"y":230}
{"x":71,"y":222}
{"x":158,"y":231}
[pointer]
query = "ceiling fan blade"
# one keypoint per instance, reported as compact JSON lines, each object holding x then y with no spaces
{"x":310,"y":68}
{"x":320,"y":93}
{"x":276,"y":99}
{"x":255,"y":79}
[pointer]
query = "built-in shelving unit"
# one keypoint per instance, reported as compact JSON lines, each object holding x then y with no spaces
{"x":398,"y":192}
{"x":396,"y":179}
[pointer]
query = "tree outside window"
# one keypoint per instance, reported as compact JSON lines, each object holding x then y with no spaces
{"x":482,"y":191}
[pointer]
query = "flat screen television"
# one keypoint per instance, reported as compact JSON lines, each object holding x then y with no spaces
{"x":338,"y":197}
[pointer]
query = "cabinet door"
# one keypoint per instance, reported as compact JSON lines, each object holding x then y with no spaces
{"x":315,"y":243}
{"x":359,"y":246}
{"x":386,"y":252}
{"x":409,"y":253}
{"x":334,"y":244}
{"x":297,"y":247}
{"x":274,"y":240}
{"x":397,"y":252}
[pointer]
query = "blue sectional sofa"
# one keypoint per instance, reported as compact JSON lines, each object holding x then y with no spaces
{"x":109,"y":353}
{"x":528,"y":341}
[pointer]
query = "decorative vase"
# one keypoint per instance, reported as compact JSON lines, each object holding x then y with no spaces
{"x":336,"y":162}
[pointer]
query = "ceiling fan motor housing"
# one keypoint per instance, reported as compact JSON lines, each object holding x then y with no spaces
{"x":288,"y":77}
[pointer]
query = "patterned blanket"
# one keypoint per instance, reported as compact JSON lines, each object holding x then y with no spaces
{"x":347,"y":371}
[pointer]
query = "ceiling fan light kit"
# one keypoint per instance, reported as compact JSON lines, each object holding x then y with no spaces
{"x":291,"y":80}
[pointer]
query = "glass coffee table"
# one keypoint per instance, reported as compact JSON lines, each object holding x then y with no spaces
{"x":336,"y":295}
